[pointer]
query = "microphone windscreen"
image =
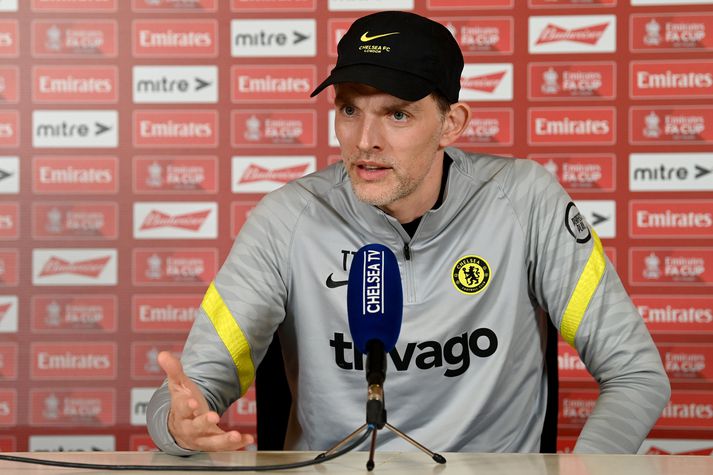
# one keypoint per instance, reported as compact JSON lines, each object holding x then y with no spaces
{"x":374,"y":297}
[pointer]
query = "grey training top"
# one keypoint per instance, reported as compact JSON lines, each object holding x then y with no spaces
{"x":467,"y":374}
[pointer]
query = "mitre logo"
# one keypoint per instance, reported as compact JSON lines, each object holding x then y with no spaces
{"x":294,"y":37}
{"x":481,"y":35}
{"x":673,"y":78}
{"x":9,"y":175}
{"x":74,"y":266}
{"x":175,"y":220}
{"x":671,"y":172}
{"x":74,"y":38}
{"x":272,"y":83}
{"x":175,"y":38}
{"x":572,"y":34}
{"x":9,"y":39}
{"x":487,"y":82}
{"x":175,"y":84}
{"x":262,"y":174}
{"x":71,"y":443}
{"x":75,"y":128}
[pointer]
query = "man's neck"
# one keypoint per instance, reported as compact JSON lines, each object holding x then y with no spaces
{"x":411,"y":226}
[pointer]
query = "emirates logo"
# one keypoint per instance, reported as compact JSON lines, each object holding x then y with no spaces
{"x":485,"y":83}
{"x":281,"y":175}
{"x":588,"y":35}
{"x":88,"y":268}
{"x":190,"y":221}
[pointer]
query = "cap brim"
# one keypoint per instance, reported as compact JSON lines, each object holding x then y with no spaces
{"x":403,"y":85}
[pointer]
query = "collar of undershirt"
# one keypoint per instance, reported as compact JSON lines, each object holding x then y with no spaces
{"x":411,"y":227}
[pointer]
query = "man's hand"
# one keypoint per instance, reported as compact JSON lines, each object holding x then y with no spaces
{"x":191,"y":422}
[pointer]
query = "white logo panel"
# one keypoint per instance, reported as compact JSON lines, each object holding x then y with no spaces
{"x":486,"y":82}
{"x":139,"y":402}
{"x":572,"y":34}
{"x":175,"y":84}
{"x":601,"y":215}
{"x":74,"y":266}
{"x":263,"y":174}
{"x":8,"y":5}
{"x":176,"y":220}
{"x":8,"y":314}
{"x":72,"y":443}
{"x":75,"y":128}
{"x":273,"y":38}
{"x":9,"y":175}
{"x":671,"y":172}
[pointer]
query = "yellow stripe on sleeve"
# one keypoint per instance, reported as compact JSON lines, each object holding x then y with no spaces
{"x":231,"y":335}
{"x":582,"y":295}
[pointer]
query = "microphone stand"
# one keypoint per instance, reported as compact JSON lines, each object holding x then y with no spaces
{"x":376,"y":408}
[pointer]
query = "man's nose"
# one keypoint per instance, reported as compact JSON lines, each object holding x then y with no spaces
{"x":370,"y":135}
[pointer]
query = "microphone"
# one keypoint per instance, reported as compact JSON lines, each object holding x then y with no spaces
{"x":375,"y":312}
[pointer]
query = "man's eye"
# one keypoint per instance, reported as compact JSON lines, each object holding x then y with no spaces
{"x":348,"y":110}
{"x":398,"y":115}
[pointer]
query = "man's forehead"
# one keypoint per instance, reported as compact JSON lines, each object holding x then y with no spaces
{"x":351,"y":91}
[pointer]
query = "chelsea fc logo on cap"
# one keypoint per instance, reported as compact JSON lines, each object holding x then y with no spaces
{"x":471,"y":274}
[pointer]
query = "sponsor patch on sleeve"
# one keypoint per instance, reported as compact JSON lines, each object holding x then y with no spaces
{"x":576,"y":224}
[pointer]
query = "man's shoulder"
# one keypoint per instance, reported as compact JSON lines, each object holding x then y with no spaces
{"x":506,"y":171}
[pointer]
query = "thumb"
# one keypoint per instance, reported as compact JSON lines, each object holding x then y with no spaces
{"x":172,"y":367}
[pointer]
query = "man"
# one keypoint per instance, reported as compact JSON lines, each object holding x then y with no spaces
{"x":484,"y":245}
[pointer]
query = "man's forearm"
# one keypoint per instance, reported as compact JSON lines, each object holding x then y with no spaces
{"x":625,"y":412}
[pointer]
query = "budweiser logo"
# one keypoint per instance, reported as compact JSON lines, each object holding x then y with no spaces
{"x":485,"y":83}
{"x":89,"y":268}
{"x":283,"y":175}
{"x":588,"y":35}
{"x":653,"y":450}
{"x":3,"y":310}
{"x":189,"y":221}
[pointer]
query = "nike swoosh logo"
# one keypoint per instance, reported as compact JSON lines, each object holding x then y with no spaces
{"x":333,"y":284}
{"x":364,"y":38}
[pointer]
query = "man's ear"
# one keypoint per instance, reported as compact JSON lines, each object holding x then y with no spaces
{"x":455,"y":123}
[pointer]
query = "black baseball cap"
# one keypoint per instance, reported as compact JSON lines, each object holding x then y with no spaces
{"x":401,"y":53}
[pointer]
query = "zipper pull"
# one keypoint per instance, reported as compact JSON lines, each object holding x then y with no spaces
{"x":407,"y":252}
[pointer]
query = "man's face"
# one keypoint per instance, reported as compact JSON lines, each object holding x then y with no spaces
{"x":390,"y":147}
